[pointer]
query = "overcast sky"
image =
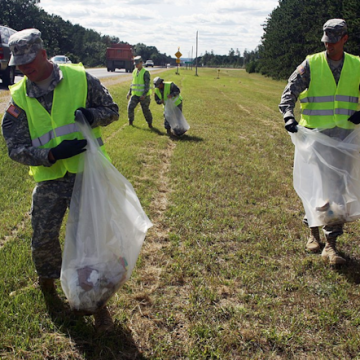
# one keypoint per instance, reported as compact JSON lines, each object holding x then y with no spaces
{"x":167,"y":25}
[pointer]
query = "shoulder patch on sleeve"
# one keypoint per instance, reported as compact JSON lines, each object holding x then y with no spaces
{"x":301,"y":69}
{"x":14,"y":111}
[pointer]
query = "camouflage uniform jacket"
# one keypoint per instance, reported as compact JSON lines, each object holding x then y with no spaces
{"x":300,"y":81}
{"x":146,"y":83}
{"x":174,"y":91}
{"x":15,"y":126}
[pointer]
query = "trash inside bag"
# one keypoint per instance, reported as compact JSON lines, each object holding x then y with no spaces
{"x":92,"y":284}
{"x":327,"y":174}
{"x":175,"y":117}
{"x":105,"y":230}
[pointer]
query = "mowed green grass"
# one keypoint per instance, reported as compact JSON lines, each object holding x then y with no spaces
{"x":223,"y":273}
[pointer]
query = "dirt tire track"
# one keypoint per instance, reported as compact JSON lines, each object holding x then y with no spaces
{"x":239,"y":105}
{"x":157,"y":235}
{"x":156,"y":261}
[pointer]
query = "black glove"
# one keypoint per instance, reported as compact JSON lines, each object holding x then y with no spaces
{"x":68,"y":148}
{"x":291,"y":125}
{"x":87,"y":113}
{"x":355,"y":118}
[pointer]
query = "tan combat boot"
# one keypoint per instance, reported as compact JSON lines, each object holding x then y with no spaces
{"x":103,"y":320}
{"x":330,"y":254}
{"x":313,"y":243}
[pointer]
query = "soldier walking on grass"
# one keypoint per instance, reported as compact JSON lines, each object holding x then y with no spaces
{"x":40,"y":131}
{"x":327,"y":84}
{"x":140,"y":92}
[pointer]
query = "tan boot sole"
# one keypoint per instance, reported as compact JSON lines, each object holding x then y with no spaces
{"x":335,"y":260}
{"x":313,"y":248}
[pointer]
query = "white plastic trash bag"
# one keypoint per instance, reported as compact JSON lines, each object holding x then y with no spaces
{"x":175,"y":117}
{"x":327,"y":174}
{"x":105,"y":230}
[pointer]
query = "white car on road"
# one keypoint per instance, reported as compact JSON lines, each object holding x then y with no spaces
{"x":149,"y":63}
{"x":60,"y":59}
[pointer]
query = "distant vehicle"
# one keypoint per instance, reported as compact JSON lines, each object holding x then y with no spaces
{"x":120,"y":56}
{"x":7,"y":73}
{"x":149,"y":63}
{"x":60,"y":59}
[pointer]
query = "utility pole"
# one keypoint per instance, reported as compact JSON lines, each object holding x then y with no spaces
{"x":196,"y":74}
{"x":192,"y":59}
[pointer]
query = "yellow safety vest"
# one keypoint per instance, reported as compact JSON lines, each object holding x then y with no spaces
{"x":325,"y":104}
{"x":48,"y":130}
{"x":167,"y":85}
{"x":138,"y":84}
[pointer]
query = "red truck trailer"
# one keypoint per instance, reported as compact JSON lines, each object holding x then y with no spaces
{"x":120,"y":56}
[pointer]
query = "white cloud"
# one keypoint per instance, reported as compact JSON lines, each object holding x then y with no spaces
{"x":168,"y":24}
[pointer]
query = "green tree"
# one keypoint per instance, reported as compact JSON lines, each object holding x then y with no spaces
{"x":293,"y":30}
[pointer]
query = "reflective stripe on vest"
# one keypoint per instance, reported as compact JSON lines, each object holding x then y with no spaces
{"x":60,"y":131}
{"x":167,"y":86}
{"x":330,"y":99}
{"x":138,"y":84}
{"x":346,"y":112}
{"x":48,"y":130}
{"x":325,"y":104}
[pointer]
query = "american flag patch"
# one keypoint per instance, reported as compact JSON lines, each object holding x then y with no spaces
{"x":14,"y":111}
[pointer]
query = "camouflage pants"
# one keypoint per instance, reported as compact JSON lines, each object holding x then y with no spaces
{"x":145,"y":106}
{"x":50,"y":201}
{"x":166,"y":123}
{"x":329,"y":231}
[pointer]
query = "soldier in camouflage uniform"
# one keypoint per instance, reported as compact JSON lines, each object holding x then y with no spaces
{"x":45,"y":83}
{"x":174,"y":92}
{"x":140,"y":92}
{"x":302,"y":81}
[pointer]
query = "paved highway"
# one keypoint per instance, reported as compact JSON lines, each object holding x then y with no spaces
{"x":97,"y":72}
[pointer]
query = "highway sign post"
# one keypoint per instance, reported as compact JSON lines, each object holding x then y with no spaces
{"x":178,"y":56}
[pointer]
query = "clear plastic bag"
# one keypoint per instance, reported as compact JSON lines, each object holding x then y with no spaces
{"x":105,"y":230}
{"x":327,"y":174}
{"x":175,"y":117}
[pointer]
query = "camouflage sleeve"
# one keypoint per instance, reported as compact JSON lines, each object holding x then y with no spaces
{"x":16,"y":133}
{"x":174,"y":90}
{"x":100,"y":102}
{"x":146,"y":82}
{"x":297,"y":83}
{"x":157,"y":99}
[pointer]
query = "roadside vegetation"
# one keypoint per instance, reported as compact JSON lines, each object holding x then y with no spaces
{"x":223,"y":273}
{"x":294,"y":29}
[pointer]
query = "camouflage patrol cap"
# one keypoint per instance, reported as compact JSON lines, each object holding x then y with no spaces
{"x":157,"y":81}
{"x":334,"y":30}
{"x":138,"y":59}
{"x":24,"y":46}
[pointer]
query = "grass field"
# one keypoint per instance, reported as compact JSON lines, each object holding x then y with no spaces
{"x":223,"y":273}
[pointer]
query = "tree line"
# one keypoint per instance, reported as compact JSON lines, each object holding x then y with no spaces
{"x":63,"y":37}
{"x":84,"y":45}
{"x":293,"y":30}
{"x":233,"y":59}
